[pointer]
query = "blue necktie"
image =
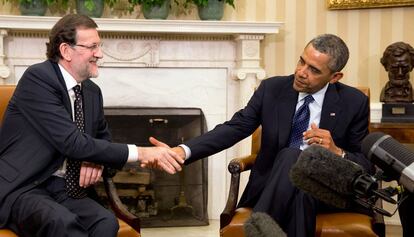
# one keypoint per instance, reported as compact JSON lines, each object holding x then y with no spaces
{"x":73,"y":166}
{"x":300,"y":123}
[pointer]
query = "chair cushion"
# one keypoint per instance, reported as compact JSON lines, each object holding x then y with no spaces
{"x":327,"y":225}
{"x":235,"y":227}
{"x":125,"y":230}
{"x":344,"y":224}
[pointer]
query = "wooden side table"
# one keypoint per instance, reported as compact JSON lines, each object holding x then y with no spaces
{"x":402,"y":132}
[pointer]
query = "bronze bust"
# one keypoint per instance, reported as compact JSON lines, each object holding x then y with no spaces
{"x":398,"y":61}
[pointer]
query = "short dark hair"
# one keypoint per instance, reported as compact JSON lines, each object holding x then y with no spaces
{"x":397,"y":49}
{"x":64,"y":31}
{"x":334,"y":47}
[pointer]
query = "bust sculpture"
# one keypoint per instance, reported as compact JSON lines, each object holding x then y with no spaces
{"x":398,"y":61}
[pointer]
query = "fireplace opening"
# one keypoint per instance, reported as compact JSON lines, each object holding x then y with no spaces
{"x":158,"y":198}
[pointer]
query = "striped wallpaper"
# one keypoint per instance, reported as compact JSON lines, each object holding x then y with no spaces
{"x":366,"y":31}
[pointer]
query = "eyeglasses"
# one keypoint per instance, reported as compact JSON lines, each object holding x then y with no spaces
{"x":92,"y":48}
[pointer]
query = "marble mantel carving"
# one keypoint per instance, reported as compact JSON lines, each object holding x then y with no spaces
{"x":247,"y":35}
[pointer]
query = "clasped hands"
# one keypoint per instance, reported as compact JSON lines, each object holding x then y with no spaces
{"x":160,"y":156}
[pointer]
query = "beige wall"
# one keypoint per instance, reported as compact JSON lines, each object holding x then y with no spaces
{"x":367,"y":32}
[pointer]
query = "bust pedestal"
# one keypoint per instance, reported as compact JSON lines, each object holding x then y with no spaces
{"x":397,"y":113}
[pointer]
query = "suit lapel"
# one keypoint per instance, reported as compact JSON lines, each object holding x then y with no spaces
{"x":65,"y":95}
{"x":285,"y":109}
{"x":331,"y":109}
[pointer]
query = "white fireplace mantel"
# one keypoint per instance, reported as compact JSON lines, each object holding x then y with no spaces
{"x":246,"y":34}
{"x":212,"y":65}
{"x":148,"y":26}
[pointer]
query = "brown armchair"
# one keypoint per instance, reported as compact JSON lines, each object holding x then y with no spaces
{"x":129,"y":225}
{"x":232,"y":219}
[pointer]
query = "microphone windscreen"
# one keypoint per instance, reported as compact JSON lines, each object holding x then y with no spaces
{"x":262,"y":225}
{"x":325,"y":175}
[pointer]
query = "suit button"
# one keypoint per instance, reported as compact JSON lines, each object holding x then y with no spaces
{"x":36,"y":182}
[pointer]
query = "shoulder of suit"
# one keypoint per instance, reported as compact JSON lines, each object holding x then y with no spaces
{"x":280,"y":78}
{"x":348,"y":91}
{"x":278,"y":82}
{"x":44,"y":66}
{"x":40,"y":71}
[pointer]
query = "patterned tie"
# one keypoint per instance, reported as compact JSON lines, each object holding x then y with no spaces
{"x":300,"y":123}
{"x":73,"y":166}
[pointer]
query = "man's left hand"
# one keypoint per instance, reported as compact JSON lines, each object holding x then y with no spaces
{"x":321,"y":137}
{"x":89,"y":174}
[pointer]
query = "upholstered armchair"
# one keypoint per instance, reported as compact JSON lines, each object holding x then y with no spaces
{"x":129,"y":224}
{"x":341,"y":224}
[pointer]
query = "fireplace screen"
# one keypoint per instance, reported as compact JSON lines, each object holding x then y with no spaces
{"x":158,"y":198}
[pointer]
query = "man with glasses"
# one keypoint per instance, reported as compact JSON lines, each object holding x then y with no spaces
{"x":54,"y":141}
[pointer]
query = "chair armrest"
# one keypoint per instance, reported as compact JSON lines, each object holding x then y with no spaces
{"x":120,"y":211}
{"x":236,"y":166}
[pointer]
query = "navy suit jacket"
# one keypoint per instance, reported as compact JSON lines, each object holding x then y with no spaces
{"x":38,"y":133}
{"x":345,"y":113}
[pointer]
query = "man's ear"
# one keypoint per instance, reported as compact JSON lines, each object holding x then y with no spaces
{"x":336,"y":77}
{"x":64,"y":49}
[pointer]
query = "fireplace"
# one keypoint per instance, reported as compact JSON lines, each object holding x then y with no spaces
{"x":158,"y":198}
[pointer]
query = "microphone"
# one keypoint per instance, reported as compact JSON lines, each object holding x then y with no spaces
{"x":396,"y":160}
{"x":325,"y":175}
{"x":261,"y":224}
{"x":335,"y":180}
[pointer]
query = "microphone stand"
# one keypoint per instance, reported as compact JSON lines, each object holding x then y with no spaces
{"x":371,"y":205}
{"x":367,"y":192}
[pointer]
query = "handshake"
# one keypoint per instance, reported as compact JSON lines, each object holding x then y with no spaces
{"x":161,"y":156}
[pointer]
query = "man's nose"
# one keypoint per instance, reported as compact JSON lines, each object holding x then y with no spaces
{"x":302,"y":71}
{"x":98,"y":53}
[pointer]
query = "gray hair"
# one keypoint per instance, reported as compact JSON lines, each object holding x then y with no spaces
{"x":334,"y":47}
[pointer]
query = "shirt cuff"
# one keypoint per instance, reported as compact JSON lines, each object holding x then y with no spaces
{"x":187,"y":150}
{"x":132,"y":153}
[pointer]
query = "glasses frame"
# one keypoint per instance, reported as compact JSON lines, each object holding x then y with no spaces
{"x":92,"y":48}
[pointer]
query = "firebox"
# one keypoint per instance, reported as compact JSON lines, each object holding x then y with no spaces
{"x":158,"y":198}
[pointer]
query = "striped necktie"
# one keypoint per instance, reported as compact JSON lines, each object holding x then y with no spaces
{"x":300,"y":123}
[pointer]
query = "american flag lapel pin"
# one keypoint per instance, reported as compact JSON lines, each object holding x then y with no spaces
{"x":332,"y":114}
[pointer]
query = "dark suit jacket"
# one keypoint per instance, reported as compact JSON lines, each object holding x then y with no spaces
{"x":38,"y":133}
{"x":345,"y":113}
